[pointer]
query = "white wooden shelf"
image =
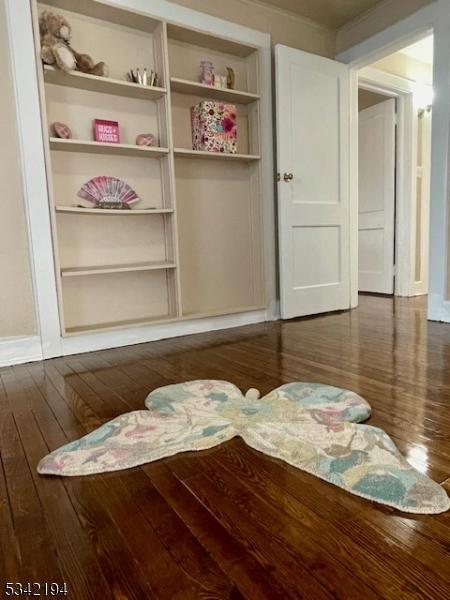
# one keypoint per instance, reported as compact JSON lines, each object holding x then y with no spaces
{"x":117,"y":213}
{"x":106,"y":148}
{"x":183,"y":86}
{"x":104,"y":85}
{"x":186,"y":153}
{"x":99,"y":327}
{"x":126,"y":268}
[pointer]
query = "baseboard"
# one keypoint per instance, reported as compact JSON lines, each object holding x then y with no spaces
{"x":89,"y":342}
{"x":18,"y":350}
{"x":419,"y":288}
{"x":438,"y":308}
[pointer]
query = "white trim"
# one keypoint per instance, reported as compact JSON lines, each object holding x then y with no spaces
{"x":433,"y":18}
{"x":437,"y":274}
{"x":405,"y":221}
{"x":24,"y":75}
{"x":18,"y":350}
{"x":353,"y":207}
{"x":138,"y":335}
{"x":420,"y":286}
{"x":396,"y":36}
{"x":35,"y":186}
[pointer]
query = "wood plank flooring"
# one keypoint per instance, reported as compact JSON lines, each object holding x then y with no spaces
{"x":229,"y":522}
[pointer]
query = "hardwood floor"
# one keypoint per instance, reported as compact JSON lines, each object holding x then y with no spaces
{"x":230,"y":522}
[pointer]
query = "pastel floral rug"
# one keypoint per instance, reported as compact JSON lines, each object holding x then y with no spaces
{"x":310,"y":426}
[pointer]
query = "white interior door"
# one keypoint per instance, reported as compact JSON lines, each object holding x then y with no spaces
{"x":377,"y":197}
{"x":313,"y":192}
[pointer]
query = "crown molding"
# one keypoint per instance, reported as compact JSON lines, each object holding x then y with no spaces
{"x":286,"y":13}
{"x":367,"y":15}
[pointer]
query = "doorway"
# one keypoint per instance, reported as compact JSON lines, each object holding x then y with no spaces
{"x":394,"y":156}
{"x":377,"y":190}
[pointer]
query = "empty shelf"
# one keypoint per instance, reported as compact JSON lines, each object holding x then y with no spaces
{"x":186,"y":153}
{"x":105,"y":269}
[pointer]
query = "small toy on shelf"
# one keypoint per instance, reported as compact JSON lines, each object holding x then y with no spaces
{"x":108,"y":193}
{"x":207,"y":72}
{"x":142,"y":77}
{"x":106,"y":131}
{"x":214,"y":127}
{"x":56,"y":32}
{"x":60,"y":130}
{"x":146,"y":139}
{"x":231,"y":78}
{"x":221,"y":81}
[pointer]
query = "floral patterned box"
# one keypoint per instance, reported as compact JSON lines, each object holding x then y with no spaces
{"x":214,"y":127}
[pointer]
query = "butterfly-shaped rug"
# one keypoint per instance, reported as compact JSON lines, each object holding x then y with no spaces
{"x":311,"y":426}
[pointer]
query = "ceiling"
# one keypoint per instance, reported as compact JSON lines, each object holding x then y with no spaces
{"x":331,"y":13}
{"x":422,"y":50}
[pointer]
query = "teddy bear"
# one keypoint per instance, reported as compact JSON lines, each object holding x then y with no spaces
{"x":56,"y":33}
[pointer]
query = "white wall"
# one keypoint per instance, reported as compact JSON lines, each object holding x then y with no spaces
{"x":407,"y":67}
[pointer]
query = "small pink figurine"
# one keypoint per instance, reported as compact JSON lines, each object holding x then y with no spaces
{"x":146,"y":139}
{"x":207,"y":76}
{"x":61,"y":130}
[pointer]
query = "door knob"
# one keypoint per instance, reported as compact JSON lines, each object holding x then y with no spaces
{"x":288,"y":176}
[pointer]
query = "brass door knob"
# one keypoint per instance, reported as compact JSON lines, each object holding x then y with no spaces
{"x":288,"y":176}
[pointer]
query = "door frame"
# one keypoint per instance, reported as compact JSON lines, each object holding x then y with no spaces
{"x":433,"y":19}
{"x":402,"y":90}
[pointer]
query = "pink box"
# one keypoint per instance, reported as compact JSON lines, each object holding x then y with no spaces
{"x":106,"y":131}
{"x":214,"y":127}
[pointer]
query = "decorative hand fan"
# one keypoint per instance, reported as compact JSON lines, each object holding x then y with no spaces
{"x":107,"y":192}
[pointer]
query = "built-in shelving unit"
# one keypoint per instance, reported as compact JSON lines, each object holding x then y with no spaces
{"x":193,"y":247}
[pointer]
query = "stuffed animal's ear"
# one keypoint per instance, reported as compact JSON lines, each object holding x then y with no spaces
{"x":43,"y":29}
